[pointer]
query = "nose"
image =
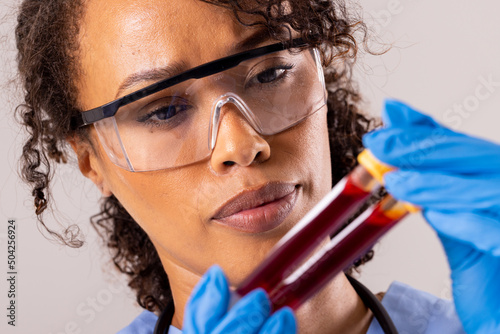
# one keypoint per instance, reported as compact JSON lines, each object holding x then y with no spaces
{"x":237,"y":142}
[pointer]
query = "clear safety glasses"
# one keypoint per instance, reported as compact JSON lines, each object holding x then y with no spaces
{"x":175,"y":122}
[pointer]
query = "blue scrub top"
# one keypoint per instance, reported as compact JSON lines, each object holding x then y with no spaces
{"x":411,"y":310}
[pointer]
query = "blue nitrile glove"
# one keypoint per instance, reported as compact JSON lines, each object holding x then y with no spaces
{"x":455,"y":179}
{"x":207,"y":310}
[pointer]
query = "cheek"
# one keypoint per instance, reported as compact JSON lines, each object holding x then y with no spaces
{"x":318,"y":147}
{"x":309,"y":148}
{"x":317,"y":156}
{"x":165,"y":206}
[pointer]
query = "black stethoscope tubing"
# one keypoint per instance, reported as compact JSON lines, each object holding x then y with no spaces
{"x":368,"y":298}
{"x":372,"y":302}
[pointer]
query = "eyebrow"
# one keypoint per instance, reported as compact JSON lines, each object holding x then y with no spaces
{"x":157,"y":74}
{"x":258,"y":37}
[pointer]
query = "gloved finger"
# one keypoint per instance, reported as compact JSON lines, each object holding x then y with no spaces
{"x":437,"y":149}
{"x":208,"y":303}
{"x":247,"y":315}
{"x":467,"y":228}
{"x":398,"y":114}
{"x":475,"y":286}
{"x":281,"y":322}
{"x":439,"y":191}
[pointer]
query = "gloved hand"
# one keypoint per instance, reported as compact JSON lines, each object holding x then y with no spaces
{"x":455,"y":179}
{"x":207,"y":310}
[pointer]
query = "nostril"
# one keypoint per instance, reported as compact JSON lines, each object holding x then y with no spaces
{"x":232,"y":163}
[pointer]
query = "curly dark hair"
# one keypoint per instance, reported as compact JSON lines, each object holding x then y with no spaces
{"x":48,"y":61}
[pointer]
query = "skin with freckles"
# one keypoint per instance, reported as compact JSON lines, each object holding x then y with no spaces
{"x":175,"y":207}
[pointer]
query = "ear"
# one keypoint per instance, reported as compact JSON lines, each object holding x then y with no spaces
{"x":88,"y":163}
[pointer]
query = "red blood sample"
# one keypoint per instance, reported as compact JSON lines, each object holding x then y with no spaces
{"x":346,"y":198}
{"x":299,"y":287}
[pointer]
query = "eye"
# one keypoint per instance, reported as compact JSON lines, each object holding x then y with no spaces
{"x":270,"y":75}
{"x":165,"y":113}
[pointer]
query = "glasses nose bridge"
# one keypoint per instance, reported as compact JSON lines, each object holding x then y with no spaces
{"x":229,"y":98}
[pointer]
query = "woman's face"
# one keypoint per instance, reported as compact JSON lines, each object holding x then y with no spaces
{"x":180,"y":208}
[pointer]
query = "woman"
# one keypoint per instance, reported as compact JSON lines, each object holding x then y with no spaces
{"x":178,"y":201}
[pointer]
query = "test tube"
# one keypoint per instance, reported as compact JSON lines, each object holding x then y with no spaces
{"x":346,"y":247}
{"x":321,"y":222}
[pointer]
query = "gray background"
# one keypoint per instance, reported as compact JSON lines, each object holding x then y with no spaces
{"x":442,"y":52}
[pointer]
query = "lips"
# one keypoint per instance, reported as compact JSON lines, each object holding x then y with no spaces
{"x":259,"y":210}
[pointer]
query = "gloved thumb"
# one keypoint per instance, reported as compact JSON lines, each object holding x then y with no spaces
{"x":208,"y":303}
{"x":398,"y":114}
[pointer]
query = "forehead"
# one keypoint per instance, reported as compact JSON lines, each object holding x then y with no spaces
{"x":123,"y":37}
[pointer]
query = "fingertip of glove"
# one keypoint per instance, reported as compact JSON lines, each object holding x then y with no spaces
{"x":288,"y":317}
{"x":256,"y":299}
{"x":368,"y":137}
{"x":202,"y":283}
{"x":283,"y":321}
{"x":375,"y":141}
{"x":213,"y":279}
{"x":217,"y":275}
{"x":391,"y":113}
{"x":260,"y":297}
{"x":214,"y":270}
{"x":380,"y":143}
{"x":398,"y":114}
